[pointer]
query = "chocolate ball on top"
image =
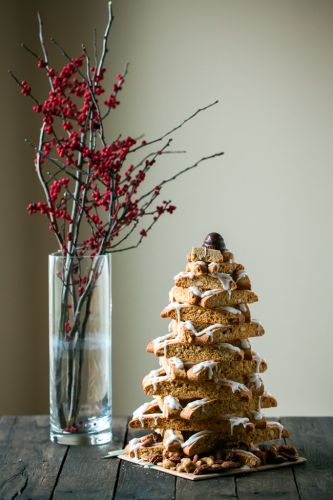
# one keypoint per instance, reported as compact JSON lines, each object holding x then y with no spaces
{"x":214,"y":241}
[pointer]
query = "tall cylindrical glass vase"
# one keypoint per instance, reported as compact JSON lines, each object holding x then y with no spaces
{"x":80,"y":312}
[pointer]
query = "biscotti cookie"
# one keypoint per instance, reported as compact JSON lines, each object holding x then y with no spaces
{"x":197,"y":353}
{"x":208,"y":440}
{"x":242,"y":279}
{"x":215,"y":370}
{"x":203,"y":333}
{"x":228,"y":426}
{"x":205,"y":254}
{"x":139,"y":448}
{"x":205,"y":282}
{"x":185,"y":389}
{"x":273,"y":430}
{"x":213,"y":298}
{"x":239,"y":371}
{"x":197,"y":314}
{"x":221,"y":298}
{"x":201,"y":409}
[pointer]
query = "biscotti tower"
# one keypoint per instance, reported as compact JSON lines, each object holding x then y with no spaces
{"x":208,"y":392}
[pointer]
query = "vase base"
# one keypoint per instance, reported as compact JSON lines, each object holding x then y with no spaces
{"x":70,"y":439}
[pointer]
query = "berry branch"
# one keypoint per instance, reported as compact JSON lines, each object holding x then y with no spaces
{"x":91,"y":186}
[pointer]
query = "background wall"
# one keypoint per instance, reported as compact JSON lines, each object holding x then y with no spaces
{"x":270,"y":64}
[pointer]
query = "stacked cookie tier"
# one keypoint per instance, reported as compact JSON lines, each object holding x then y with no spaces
{"x":208,"y":390}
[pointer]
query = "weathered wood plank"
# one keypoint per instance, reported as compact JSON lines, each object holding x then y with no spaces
{"x":219,"y":487}
{"x":269,"y":485}
{"x":314,"y":439}
{"x":6,"y":426}
{"x":85,"y":475}
{"x":30,"y":463}
{"x":138,"y":483}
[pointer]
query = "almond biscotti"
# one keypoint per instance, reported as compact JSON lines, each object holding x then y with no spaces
{"x":226,"y":315}
{"x":212,"y":298}
{"x":240,"y":371}
{"x":186,"y":389}
{"x":196,"y":353}
{"x":203,"y":333}
{"x":228,"y":426}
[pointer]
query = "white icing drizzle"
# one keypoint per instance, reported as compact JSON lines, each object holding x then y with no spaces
{"x":245,"y":344}
{"x":235,"y":386}
{"x":208,"y":330}
{"x":205,"y":364}
{"x":240,"y":275}
{"x":171,"y":437}
{"x":243,"y":308}
{"x":235,"y":421}
{"x":231,"y":347}
{"x":162,"y":342}
{"x":155,"y":378}
{"x":184,"y":274}
{"x":259,"y":404}
{"x":245,"y":452}
{"x":195,"y":290}
{"x":171,"y":296}
{"x":134,"y":444}
{"x":225,"y":280}
{"x":192,"y":439}
{"x":231,"y":309}
{"x":177,"y":306}
{"x":172,"y":403}
{"x":139,"y":412}
{"x":156,"y":373}
{"x":278,"y":425}
{"x":176,"y":362}
{"x":213,"y":267}
{"x":198,"y":402}
{"x":258,"y":359}
{"x":258,"y":415}
{"x":255,"y":378}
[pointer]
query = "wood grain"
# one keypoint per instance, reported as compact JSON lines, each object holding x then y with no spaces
{"x":138,"y":483}
{"x":85,"y":475}
{"x":270,"y":485}
{"x":314,"y":439}
{"x":30,"y":462}
{"x":33,"y":467}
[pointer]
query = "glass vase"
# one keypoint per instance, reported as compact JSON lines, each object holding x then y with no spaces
{"x":80,"y":312}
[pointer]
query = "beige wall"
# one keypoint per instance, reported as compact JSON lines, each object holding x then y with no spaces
{"x":270,"y":64}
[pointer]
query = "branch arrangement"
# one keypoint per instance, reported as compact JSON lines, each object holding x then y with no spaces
{"x":87,"y":181}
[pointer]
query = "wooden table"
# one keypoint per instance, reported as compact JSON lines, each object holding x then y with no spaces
{"x":32,"y":467}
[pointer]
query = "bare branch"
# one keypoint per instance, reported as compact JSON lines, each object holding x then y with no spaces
{"x":105,"y":48}
{"x":148,"y":143}
{"x":43,"y":46}
{"x":95,"y":47}
{"x":181,"y":172}
{"x":33,"y":53}
{"x":139,"y":240}
{"x":44,"y":185}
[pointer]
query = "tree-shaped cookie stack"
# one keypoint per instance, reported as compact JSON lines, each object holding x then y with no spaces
{"x":208,"y":393}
